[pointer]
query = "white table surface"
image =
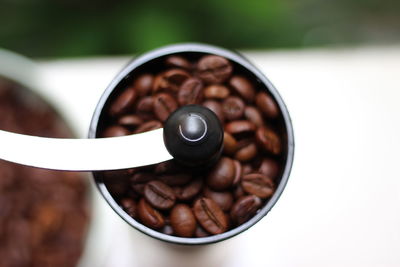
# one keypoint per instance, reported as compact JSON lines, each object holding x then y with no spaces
{"x":341,"y":206}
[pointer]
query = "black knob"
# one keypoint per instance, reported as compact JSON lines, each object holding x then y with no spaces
{"x":193,"y":135}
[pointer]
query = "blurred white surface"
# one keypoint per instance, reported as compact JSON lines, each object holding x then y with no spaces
{"x":341,"y":206}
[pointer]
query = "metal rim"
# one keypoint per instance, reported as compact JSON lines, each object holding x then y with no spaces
{"x":238,"y":59}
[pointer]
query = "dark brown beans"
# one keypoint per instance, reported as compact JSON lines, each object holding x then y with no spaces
{"x":130,"y":121}
{"x":176,"y":179}
{"x":129,"y":206}
{"x":210,"y":216}
{"x":144,"y":107}
{"x":170,"y":80}
{"x":253,"y":115}
{"x":167,"y":167}
{"x":244,"y":208}
{"x":267,"y":105}
{"x":164,"y":105}
{"x":239,"y":127}
{"x":114,"y":131}
{"x":258,"y":184}
{"x":269,"y":140}
{"x":123,"y":102}
{"x":191,"y":92}
{"x":269,"y":167}
{"x":222,"y":174}
{"x":150,"y":216}
{"x":148,"y":126}
{"x":243,"y":86}
{"x":143,"y":84}
{"x":233,"y":108}
{"x":189,"y":191}
{"x":238,"y":172}
{"x":223,"y":199}
{"x":215,"y":107}
{"x":246,"y":150}
{"x":216,"y":91}
{"x":230,"y":144}
{"x":159,"y":195}
{"x":200,"y":232}
{"x":178,"y":62}
{"x":214,"y":69}
{"x":183,"y":221}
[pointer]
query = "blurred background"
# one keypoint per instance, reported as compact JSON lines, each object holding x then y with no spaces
{"x":72,"y":28}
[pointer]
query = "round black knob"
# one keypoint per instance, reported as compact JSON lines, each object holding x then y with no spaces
{"x":193,"y":135}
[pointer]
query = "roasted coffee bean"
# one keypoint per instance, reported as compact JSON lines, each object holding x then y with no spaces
{"x":247,"y":168}
{"x":244,"y":208}
{"x":267,"y":105}
{"x":164,"y":105}
{"x":118,"y":175}
{"x":123,"y":102}
{"x":216,"y":91}
{"x":129,"y":206}
{"x":114,"y":131}
{"x":145,"y":107}
{"x":233,"y":108}
{"x":240,"y":127}
{"x":238,"y":172}
{"x":238,"y":192}
{"x":148,"y":126}
{"x":190,"y":190}
{"x":167,"y":167}
{"x":183,"y":221}
{"x":224,"y":199}
{"x":176,"y":179}
{"x":243,"y":87}
{"x":178,"y":62}
{"x":159,"y":195}
{"x":190,"y":92}
{"x":139,"y":180}
{"x":230,"y":144}
{"x":215,"y":107}
{"x":210,"y":216}
{"x":200,"y":232}
{"x":170,"y":80}
{"x":246,"y":150}
{"x":221,"y":176}
{"x":269,"y":140}
{"x":150,"y":216}
{"x":253,"y":115}
{"x":269,"y":167}
{"x":143,"y":84}
{"x":258,"y":184}
{"x":214,"y":69}
{"x":130,"y":121}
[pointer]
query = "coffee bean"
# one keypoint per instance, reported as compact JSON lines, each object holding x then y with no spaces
{"x":246,"y":150}
{"x":210,"y":216}
{"x":167,"y":167}
{"x":221,"y":175}
{"x":159,"y":195}
{"x":269,"y":140}
{"x":238,"y":172}
{"x":253,"y":115}
{"x":239,"y":127}
{"x":183,"y":221}
{"x":258,"y":184}
{"x":144,"y":108}
{"x":130,"y":121}
{"x":247,"y":168}
{"x":170,"y":80}
{"x":178,"y":62}
{"x":200,"y":232}
{"x":189,"y":191}
{"x":164,"y":105}
{"x":216,"y":91}
{"x":243,"y":87}
{"x":150,"y":216}
{"x":139,"y":180}
{"x":143,"y":84}
{"x":215,"y":107}
{"x":148,"y":126}
{"x":233,"y":108}
{"x":223,"y":199}
{"x":269,"y":167}
{"x":123,"y":102}
{"x":267,"y":105}
{"x":129,"y":206}
{"x":214,"y":69}
{"x":176,"y":179}
{"x":114,"y":131}
{"x":238,"y":192}
{"x":244,"y":208}
{"x":190,"y":92}
{"x":230,"y":144}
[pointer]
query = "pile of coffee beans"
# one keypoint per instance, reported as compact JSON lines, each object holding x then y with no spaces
{"x":185,"y":202}
{"x":43,"y":214}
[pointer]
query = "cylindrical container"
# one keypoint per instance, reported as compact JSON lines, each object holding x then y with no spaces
{"x":151,"y":60}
